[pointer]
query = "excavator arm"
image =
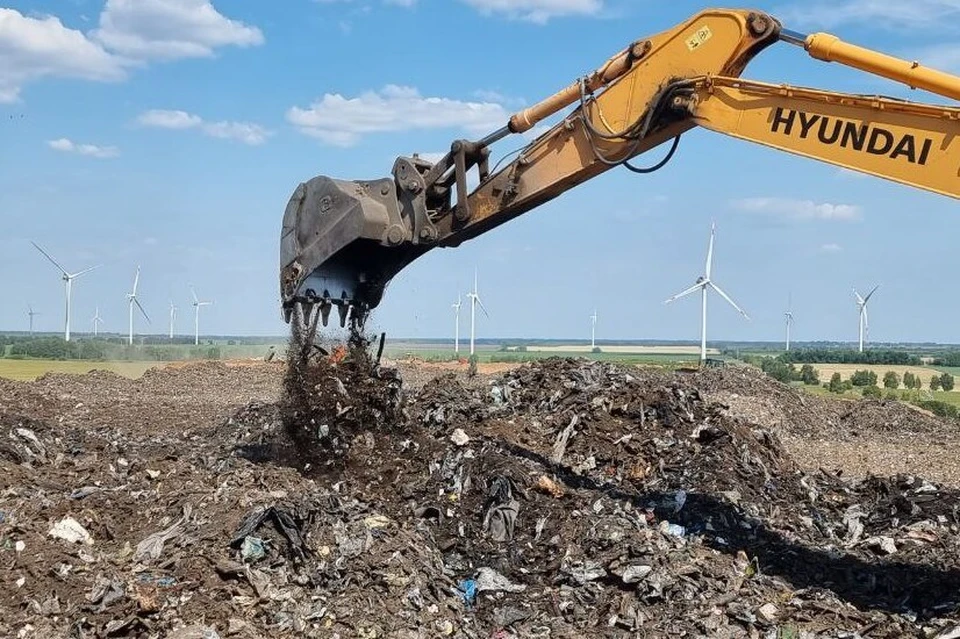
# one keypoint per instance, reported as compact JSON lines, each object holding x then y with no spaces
{"x":343,"y":241}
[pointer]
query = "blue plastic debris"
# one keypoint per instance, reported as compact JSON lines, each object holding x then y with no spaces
{"x":253,"y":549}
{"x":468,"y":590}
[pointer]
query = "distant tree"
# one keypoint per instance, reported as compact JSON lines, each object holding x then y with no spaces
{"x":946,"y":382}
{"x":779,"y":370}
{"x":596,"y":350}
{"x":935,"y":383}
{"x":891,"y":380}
{"x":917,"y":382}
{"x":809,"y":375}
{"x":472,"y":367}
{"x":836,"y":383}
{"x":872,"y":392}
{"x":864,"y":378}
{"x":893,"y":396}
{"x":908,"y":380}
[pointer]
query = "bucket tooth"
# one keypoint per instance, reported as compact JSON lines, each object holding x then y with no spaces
{"x":344,"y":310}
{"x":325,"y":307}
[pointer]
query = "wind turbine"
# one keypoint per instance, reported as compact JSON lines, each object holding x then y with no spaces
{"x":862,"y":307}
{"x":789,"y":317}
{"x":68,"y":286}
{"x":593,"y":330}
{"x":31,"y":313}
{"x":456,"y":334}
{"x":173,"y":317}
{"x":132,"y":299}
{"x":196,"y":316}
{"x":474,"y":300}
{"x":97,"y":320}
{"x":703,"y":283}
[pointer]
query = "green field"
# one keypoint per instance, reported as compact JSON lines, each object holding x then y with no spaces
{"x":947,"y":397}
{"x":29,"y":369}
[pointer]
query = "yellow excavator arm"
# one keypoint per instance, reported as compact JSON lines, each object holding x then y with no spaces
{"x":343,"y":241}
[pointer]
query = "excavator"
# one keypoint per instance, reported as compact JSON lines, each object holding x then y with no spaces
{"x":343,"y":241}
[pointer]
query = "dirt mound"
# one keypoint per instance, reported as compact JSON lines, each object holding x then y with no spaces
{"x":561,"y":499}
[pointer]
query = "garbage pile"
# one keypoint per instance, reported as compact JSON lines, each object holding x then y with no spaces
{"x":564,"y":498}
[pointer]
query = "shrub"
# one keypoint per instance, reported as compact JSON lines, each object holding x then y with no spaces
{"x":872,"y":392}
{"x":946,"y":382}
{"x":864,"y":378}
{"x":891,"y":380}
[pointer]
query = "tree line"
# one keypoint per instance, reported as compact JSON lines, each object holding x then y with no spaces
{"x":839,"y":356}
{"x":98,"y":350}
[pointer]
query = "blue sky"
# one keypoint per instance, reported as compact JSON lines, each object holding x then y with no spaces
{"x":170,"y":134}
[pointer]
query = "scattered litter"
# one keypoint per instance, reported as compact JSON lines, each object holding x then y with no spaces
{"x":550,"y":487}
{"x":588,"y":500}
{"x":151,"y":548}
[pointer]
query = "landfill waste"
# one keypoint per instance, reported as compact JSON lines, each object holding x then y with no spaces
{"x":663,"y":513}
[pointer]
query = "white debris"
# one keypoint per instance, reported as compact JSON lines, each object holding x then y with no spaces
{"x":69,"y":529}
{"x":491,"y":580}
{"x":768,"y":613}
{"x":459,"y":437}
{"x":635,"y":574}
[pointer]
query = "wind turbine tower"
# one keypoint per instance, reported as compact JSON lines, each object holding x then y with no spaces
{"x":31,"y":313}
{"x":456,"y":330}
{"x":474,"y":301}
{"x":68,"y":286}
{"x":173,"y":317}
{"x":132,"y":299}
{"x":862,"y":307}
{"x":593,"y":330}
{"x":97,"y":321}
{"x":196,"y":316}
{"x":789,"y":317}
{"x":702,"y":284}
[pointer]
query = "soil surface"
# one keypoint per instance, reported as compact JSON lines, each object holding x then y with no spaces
{"x":562,"y":498}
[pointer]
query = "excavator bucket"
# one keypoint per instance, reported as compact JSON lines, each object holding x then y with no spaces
{"x":341,"y":243}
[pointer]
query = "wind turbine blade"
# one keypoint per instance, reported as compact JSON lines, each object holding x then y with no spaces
{"x":136,"y":281}
{"x":709,"y":267}
{"x":86,"y":270}
{"x":693,"y":289}
{"x":867,"y":298}
{"x":866,"y":320}
{"x":137,"y":302}
{"x":860,"y":299}
{"x":727,"y":297}
{"x":47,"y":255}
{"x":482,"y":308}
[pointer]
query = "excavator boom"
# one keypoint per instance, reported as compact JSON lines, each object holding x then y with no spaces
{"x":343,"y":241}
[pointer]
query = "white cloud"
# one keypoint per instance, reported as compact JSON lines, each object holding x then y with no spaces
{"x":830,"y":248}
{"x":170,"y":29}
{"x":246,"y":132}
{"x":902,"y":15}
{"x":341,"y":121}
{"x":130,"y":32}
{"x":798,"y":209}
{"x":539,"y":11}
{"x":68,"y":146}
{"x":165,"y":119}
{"x":32,"y":48}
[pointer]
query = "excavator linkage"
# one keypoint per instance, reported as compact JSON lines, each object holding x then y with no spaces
{"x":343,"y":241}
